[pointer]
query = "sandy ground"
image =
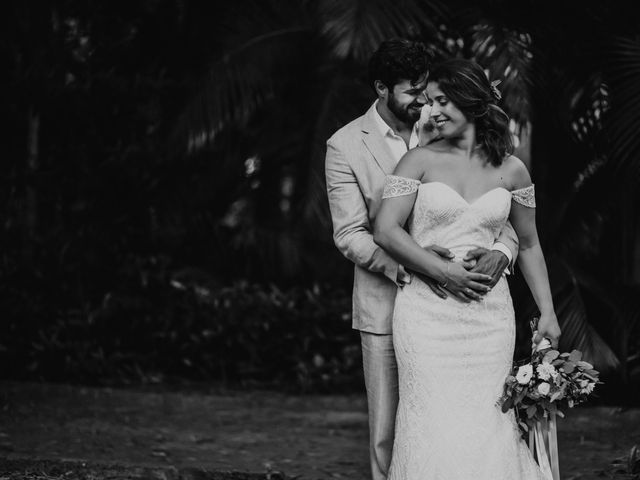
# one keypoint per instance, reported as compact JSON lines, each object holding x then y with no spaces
{"x":309,"y":437}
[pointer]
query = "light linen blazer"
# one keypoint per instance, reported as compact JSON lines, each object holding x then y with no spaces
{"x":357,"y":161}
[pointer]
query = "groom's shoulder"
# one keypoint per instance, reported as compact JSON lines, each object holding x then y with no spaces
{"x":349,"y":132}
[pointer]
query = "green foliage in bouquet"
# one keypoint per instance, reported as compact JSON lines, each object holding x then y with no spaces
{"x":549,"y":382}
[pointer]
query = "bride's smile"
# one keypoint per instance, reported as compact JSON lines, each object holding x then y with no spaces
{"x":445,"y":116}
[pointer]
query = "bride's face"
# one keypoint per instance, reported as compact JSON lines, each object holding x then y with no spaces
{"x":445,"y":116}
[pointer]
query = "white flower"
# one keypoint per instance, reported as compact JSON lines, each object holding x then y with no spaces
{"x":544,"y":388}
{"x":546,"y":371}
{"x":589,"y":388}
{"x":525,"y":372}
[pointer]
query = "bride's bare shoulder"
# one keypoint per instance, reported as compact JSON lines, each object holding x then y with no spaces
{"x":429,"y":154}
{"x":415,"y":162}
{"x":516,"y":172}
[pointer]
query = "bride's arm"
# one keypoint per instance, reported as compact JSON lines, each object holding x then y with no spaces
{"x":390,"y":234}
{"x":530,"y":258}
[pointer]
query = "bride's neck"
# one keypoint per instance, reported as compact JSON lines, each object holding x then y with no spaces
{"x":466,"y":141}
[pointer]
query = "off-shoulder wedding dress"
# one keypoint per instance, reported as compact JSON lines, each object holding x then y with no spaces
{"x":453,"y":357}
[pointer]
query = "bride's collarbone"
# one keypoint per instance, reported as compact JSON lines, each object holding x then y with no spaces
{"x":457,"y":162}
{"x":466,"y":184}
{"x":464,"y":175}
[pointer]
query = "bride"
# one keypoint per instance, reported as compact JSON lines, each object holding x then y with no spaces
{"x":454,"y":355}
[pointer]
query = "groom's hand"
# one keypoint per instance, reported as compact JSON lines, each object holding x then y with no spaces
{"x":489,"y":262}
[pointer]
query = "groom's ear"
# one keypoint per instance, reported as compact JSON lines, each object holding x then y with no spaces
{"x":381,"y":89}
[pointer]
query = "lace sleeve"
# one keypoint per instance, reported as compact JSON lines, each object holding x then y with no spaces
{"x":525,"y":196}
{"x":395,"y":186}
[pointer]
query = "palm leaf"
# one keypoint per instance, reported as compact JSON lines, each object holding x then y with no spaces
{"x":623,"y":121}
{"x":578,"y":331}
{"x":355,"y":28}
{"x":238,"y":84}
{"x":508,"y":55}
{"x":589,"y":103}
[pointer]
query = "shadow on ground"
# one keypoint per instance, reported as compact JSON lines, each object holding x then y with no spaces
{"x":103,"y":433}
{"x":60,"y":470}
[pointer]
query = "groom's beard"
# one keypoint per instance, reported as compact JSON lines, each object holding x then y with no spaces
{"x":406,"y":113}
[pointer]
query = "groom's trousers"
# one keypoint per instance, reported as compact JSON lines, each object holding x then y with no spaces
{"x":381,"y":381}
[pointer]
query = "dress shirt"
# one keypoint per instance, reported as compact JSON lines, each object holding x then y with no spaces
{"x":394,"y":141}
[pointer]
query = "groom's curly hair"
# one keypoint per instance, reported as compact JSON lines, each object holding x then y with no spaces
{"x":398,"y":59}
{"x":465,"y":83}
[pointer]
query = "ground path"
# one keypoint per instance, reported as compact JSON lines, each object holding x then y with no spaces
{"x":311,"y":437}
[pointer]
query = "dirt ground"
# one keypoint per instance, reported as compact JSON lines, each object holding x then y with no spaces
{"x":155,"y":433}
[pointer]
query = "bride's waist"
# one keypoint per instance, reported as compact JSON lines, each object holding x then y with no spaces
{"x":460,"y":250}
{"x":458,"y":242}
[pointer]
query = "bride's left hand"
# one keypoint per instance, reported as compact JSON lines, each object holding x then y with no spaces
{"x":548,"y":327}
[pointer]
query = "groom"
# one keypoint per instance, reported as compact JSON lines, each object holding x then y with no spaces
{"x":359,"y":156}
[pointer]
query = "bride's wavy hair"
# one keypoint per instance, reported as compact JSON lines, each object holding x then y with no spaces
{"x":468,"y":88}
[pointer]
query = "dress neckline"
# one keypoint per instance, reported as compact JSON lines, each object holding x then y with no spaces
{"x":460,"y":196}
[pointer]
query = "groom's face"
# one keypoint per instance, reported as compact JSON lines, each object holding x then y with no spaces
{"x":406,"y":99}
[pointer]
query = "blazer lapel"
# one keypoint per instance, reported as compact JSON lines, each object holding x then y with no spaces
{"x":375,"y":143}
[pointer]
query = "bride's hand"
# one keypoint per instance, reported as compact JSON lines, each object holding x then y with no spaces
{"x":548,"y":327}
{"x":465,"y":285}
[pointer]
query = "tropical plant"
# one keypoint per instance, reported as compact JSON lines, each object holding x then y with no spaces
{"x":573,"y":106}
{"x":98,"y":196}
{"x":290,"y":75}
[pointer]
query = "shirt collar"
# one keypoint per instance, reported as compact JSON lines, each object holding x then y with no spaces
{"x":384,"y":128}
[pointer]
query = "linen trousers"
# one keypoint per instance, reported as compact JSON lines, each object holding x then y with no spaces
{"x":381,"y":382}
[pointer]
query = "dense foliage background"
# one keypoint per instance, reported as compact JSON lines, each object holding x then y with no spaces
{"x":163,"y":205}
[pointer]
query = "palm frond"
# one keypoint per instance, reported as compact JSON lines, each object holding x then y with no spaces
{"x":238,"y":84}
{"x":589,"y":103}
{"x":355,"y":28}
{"x":508,"y":55}
{"x":578,"y":330}
{"x":579,"y":334}
{"x":622,"y":304}
{"x":581,"y":216}
{"x":623,"y":120}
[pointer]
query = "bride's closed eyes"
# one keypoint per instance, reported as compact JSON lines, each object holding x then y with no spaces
{"x":440,"y":100}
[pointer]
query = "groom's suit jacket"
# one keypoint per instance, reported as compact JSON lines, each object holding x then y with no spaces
{"x":357,"y":161}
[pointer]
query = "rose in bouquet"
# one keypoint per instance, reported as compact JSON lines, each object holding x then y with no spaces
{"x":550,"y":382}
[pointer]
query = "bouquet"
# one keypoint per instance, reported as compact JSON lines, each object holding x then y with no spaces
{"x":541,"y":388}
{"x":550,"y":382}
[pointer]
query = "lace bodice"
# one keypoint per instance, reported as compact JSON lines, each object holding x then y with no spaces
{"x":396,"y":186}
{"x":442,"y":217}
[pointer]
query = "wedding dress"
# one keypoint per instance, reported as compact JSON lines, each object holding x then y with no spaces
{"x":454,"y":357}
